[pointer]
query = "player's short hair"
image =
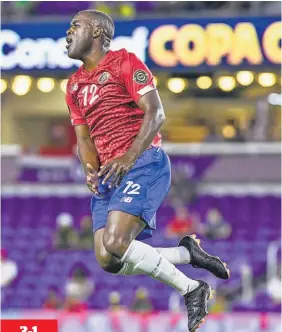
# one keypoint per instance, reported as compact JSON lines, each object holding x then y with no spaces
{"x":106,"y":23}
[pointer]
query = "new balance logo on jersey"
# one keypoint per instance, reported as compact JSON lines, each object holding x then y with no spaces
{"x":127,"y":199}
{"x":74,"y":87}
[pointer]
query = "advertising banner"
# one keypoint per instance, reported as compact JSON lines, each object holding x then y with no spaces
{"x":190,"y":45}
{"x":190,"y":168}
{"x":208,"y":168}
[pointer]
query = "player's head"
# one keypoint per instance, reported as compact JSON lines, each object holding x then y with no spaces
{"x":90,"y":30}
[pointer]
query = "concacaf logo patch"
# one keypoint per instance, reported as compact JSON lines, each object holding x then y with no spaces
{"x":104,"y":77}
{"x":140,"y":76}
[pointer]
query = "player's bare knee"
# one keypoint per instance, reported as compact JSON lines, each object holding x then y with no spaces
{"x":115,"y":245}
{"x":112,"y":267}
{"x":107,"y":262}
{"x":108,"y":266}
{"x":103,"y":258}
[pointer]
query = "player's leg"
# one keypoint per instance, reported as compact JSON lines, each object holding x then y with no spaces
{"x":189,"y":251}
{"x":119,"y":241}
{"x":140,"y":194}
{"x":99,"y":211}
{"x":113,"y":264}
{"x":175,"y":255}
{"x":107,"y":261}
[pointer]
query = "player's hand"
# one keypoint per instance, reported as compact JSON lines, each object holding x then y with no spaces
{"x":92,"y":179}
{"x":117,"y":168}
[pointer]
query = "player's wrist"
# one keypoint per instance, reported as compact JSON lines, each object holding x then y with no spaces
{"x":133,"y":155}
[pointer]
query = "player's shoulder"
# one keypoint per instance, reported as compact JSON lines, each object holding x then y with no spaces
{"x":73,"y":80}
{"x":77,"y":74}
{"x":119,"y":54}
{"x":127,"y":60}
{"x":123,"y":55}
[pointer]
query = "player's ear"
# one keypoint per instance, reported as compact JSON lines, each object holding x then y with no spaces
{"x":97,"y":32}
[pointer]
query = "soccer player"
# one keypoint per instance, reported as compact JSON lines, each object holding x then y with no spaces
{"x":117,"y":113}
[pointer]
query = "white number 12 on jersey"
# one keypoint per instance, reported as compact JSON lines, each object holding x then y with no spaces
{"x":89,"y":90}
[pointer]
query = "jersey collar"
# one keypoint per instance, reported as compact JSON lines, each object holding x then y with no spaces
{"x":105,"y":58}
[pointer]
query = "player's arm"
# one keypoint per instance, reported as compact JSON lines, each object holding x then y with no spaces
{"x":85,"y":146}
{"x":138,"y":81}
{"x":86,"y":149}
{"x":153,"y":119}
{"x":88,"y":156}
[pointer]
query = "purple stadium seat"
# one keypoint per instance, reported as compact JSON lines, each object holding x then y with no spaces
{"x":27,"y":236}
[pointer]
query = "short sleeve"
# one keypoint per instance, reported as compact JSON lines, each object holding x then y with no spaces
{"x":137,"y":77}
{"x":75,"y":113}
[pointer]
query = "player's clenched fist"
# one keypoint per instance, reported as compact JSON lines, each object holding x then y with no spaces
{"x":117,"y":168}
{"x":92,"y":179}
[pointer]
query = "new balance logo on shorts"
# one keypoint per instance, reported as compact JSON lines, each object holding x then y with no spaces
{"x":127,"y":199}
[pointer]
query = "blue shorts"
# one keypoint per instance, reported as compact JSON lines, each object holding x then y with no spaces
{"x":140,"y":193}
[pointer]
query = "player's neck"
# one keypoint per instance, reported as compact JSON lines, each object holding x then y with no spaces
{"x":92,"y":60}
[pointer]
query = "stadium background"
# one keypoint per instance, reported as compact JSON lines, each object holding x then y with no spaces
{"x":217,"y":67}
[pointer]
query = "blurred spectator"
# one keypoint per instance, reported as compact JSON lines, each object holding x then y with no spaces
{"x":215,"y":226}
{"x":183,"y":223}
{"x":73,"y":305}
{"x":141,"y":302}
{"x":53,"y":300}
{"x":79,"y":287}
{"x":220,"y":305}
{"x":274,"y":287}
{"x":60,"y":142}
{"x":58,"y":134}
{"x":114,"y":301}
{"x":65,"y":237}
{"x":183,"y":188}
{"x":9,"y":269}
{"x":86,"y":233}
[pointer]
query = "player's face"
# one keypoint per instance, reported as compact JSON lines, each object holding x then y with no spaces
{"x":79,"y":36}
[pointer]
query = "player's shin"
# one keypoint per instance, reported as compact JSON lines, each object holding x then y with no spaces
{"x":129,"y":269}
{"x":175,"y":255}
{"x":144,"y":259}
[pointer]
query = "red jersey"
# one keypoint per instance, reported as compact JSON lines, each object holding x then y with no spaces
{"x":105,"y":99}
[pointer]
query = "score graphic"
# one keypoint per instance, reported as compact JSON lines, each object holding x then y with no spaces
{"x":25,"y":329}
{"x":32,"y":325}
